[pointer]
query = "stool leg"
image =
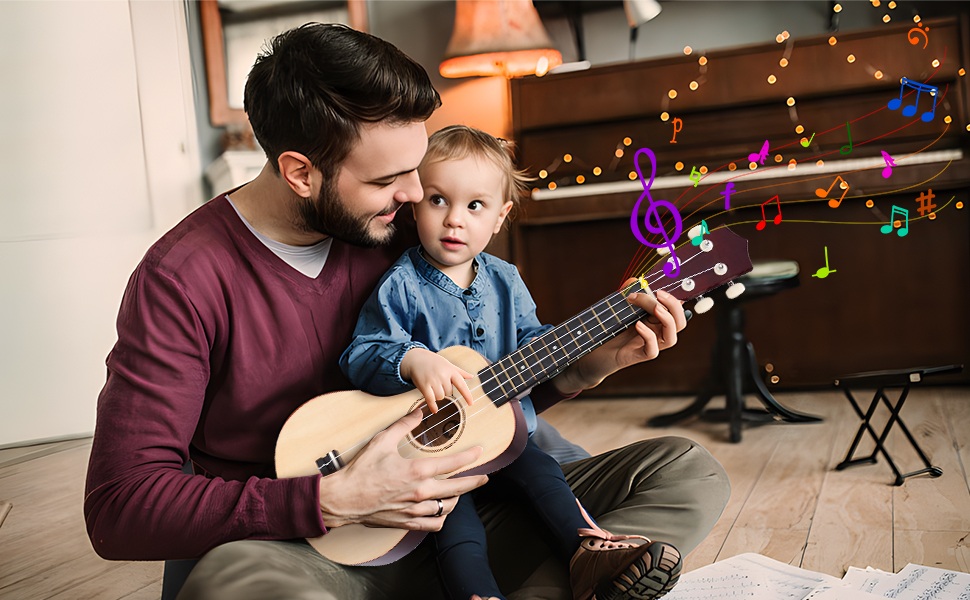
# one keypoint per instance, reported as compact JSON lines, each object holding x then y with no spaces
{"x":735,"y":388}
{"x":769,"y":401}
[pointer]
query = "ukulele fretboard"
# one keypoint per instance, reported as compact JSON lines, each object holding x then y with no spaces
{"x":547,"y":355}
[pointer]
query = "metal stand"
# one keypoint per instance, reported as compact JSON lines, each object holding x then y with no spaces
{"x":883,"y":379}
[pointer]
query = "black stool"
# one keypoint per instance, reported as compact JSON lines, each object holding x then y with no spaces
{"x":734,"y":368}
{"x":903,"y":378}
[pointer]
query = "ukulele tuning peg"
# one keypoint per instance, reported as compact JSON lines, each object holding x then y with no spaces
{"x":703,"y":305}
{"x":734,"y":290}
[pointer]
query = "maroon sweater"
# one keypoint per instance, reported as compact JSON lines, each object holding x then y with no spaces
{"x":219,"y":341}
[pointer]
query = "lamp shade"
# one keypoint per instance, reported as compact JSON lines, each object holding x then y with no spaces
{"x":498,"y":37}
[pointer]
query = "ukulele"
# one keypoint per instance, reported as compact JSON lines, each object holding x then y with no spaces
{"x":325,"y":433}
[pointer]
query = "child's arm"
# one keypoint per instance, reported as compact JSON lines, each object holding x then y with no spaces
{"x":382,"y":338}
{"x":434,"y":375}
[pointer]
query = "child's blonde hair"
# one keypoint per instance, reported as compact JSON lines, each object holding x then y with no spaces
{"x":457,"y":142}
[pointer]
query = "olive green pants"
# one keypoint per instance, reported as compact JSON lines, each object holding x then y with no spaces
{"x":668,"y":489}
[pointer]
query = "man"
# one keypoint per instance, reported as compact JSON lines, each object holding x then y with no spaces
{"x":238,"y":315}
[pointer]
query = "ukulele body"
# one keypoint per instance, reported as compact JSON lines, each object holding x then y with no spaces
{"x":343,"y":422}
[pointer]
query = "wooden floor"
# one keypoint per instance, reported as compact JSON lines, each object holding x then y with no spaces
{"x":787,"y":501}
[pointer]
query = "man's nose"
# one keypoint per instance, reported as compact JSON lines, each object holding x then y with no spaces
{"x":410,"y":190}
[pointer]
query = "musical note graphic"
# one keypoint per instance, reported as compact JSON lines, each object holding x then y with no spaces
{"x":888,"y":170}
{"x":902,"y":231}
{"x":728,"y":190}
{"x":824,"y":272}
{"x":843,"y":149}
{"x":915,"y":41}
{"x":678,"y":125}
{"x":761,"y":155}
{"x":777,"y":219}
{"x":651,"y":220}
{"x":823,"y":193}
{"x":693,"y":172}
{"x":805,"y":142}
{"x":909,"y":111}
{"x":696,"y":233}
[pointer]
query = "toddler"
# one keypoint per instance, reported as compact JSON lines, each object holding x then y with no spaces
{"x":447,"y":292}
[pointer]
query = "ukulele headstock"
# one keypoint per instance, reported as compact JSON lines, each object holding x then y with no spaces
{"x":722,"y":256}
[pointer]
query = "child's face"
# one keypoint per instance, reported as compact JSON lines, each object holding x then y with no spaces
{"x":463,"y":206}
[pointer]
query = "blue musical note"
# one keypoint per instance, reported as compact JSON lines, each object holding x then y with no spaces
{"x":651,"y":220}
{"x":909,"y":111}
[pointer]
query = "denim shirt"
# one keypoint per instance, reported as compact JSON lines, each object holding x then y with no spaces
{"x":416,"y":305}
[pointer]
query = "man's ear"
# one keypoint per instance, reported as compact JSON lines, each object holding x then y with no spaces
{"x":501,"y":216}
{"x":297,"y":171}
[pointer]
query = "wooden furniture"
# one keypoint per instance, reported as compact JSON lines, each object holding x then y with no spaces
{"x":891,"y":301}
{"x":734,"y":366}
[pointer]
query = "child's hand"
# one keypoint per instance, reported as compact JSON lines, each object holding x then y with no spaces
{"x":434,"y":376}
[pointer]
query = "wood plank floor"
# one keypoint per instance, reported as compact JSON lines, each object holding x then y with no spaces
{"x":787,"y":500}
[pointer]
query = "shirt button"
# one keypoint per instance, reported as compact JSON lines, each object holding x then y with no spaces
{"x":480,"y":331}
{"x":468,"y":292}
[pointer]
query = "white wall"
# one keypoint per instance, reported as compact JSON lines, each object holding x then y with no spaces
{"x":99,"y":158}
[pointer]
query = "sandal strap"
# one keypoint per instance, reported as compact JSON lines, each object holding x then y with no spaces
{"x":598,"y":532}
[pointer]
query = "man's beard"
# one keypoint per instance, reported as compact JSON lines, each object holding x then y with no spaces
{"x":326,"y":214}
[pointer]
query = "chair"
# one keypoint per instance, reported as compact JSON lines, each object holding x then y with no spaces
{"x":734,"y":367}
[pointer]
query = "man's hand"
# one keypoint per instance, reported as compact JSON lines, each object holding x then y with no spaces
{"x":382,"y":489}
{"x":434,"y":376}
{"x":639,"y":343}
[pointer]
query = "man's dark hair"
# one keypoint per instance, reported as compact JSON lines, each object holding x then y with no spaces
{"x":313,"y":86}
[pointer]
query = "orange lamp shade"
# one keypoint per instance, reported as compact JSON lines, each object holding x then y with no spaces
{"x":498,"y":37}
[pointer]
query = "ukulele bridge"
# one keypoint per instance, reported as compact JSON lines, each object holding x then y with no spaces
{"x":330,"y":463}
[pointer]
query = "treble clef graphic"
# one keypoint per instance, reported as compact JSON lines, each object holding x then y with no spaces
{"x":651,"y":220}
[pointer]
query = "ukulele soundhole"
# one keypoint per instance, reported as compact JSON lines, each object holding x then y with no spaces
{"x":439,"y":430}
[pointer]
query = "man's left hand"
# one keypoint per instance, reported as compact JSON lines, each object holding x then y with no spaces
{"x":639,"y":343}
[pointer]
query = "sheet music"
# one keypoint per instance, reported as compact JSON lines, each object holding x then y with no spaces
{"x":863,"y":580}
{"x":748,"y":576}
{"x":916,"y":582}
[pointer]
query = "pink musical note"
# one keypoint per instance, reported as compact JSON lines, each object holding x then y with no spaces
{"x":888,"y":170}
{"x":777,"y":219}
{"x":761,"y":155}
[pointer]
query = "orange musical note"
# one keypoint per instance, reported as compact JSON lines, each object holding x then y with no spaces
{"x":823,"y":193}
{"x":777,"y":219}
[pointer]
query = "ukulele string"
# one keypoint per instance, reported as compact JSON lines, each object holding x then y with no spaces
{"x":446,"y":431}
{"x":482,"y":382}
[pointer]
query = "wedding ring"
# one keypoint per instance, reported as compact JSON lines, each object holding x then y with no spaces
{"x":441,"y":507}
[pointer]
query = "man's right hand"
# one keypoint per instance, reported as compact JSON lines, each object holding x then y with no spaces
{"x":382,"y":489}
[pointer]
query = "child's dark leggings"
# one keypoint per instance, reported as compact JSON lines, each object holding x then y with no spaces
{"x":461,"y":547}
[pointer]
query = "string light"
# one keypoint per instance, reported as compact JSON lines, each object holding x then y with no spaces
{"x":665,"y":116}
{"x":783,"y":63}
{"x":947,"y":119}
{"x":734,"y":167}
{"x":799,"y":129}
{"x":693,"y":86}
{"x":702,"y":61}
{"x":679,"y":166}
{"x":772,"y":79}
{"x":627,"y":141}
{"x":837,"y":8}
{"x":870,"y":203}
{"x":885,"y":18}
{"x":632,"y":175}
{"x":877,"y":74}
{"x":688,"y":50}
{"x":790,"y":101}
{"x":567,"y":157}
{"x":820,"y":163}
{"x":833,"y":41}
{"x":597,"y":171}
{"x":672,"y":94}
{"x":935,"y":63}
{"x":850,"y":58}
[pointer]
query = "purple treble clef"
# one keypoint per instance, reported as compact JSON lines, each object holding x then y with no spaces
{"x":651,"y":220}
